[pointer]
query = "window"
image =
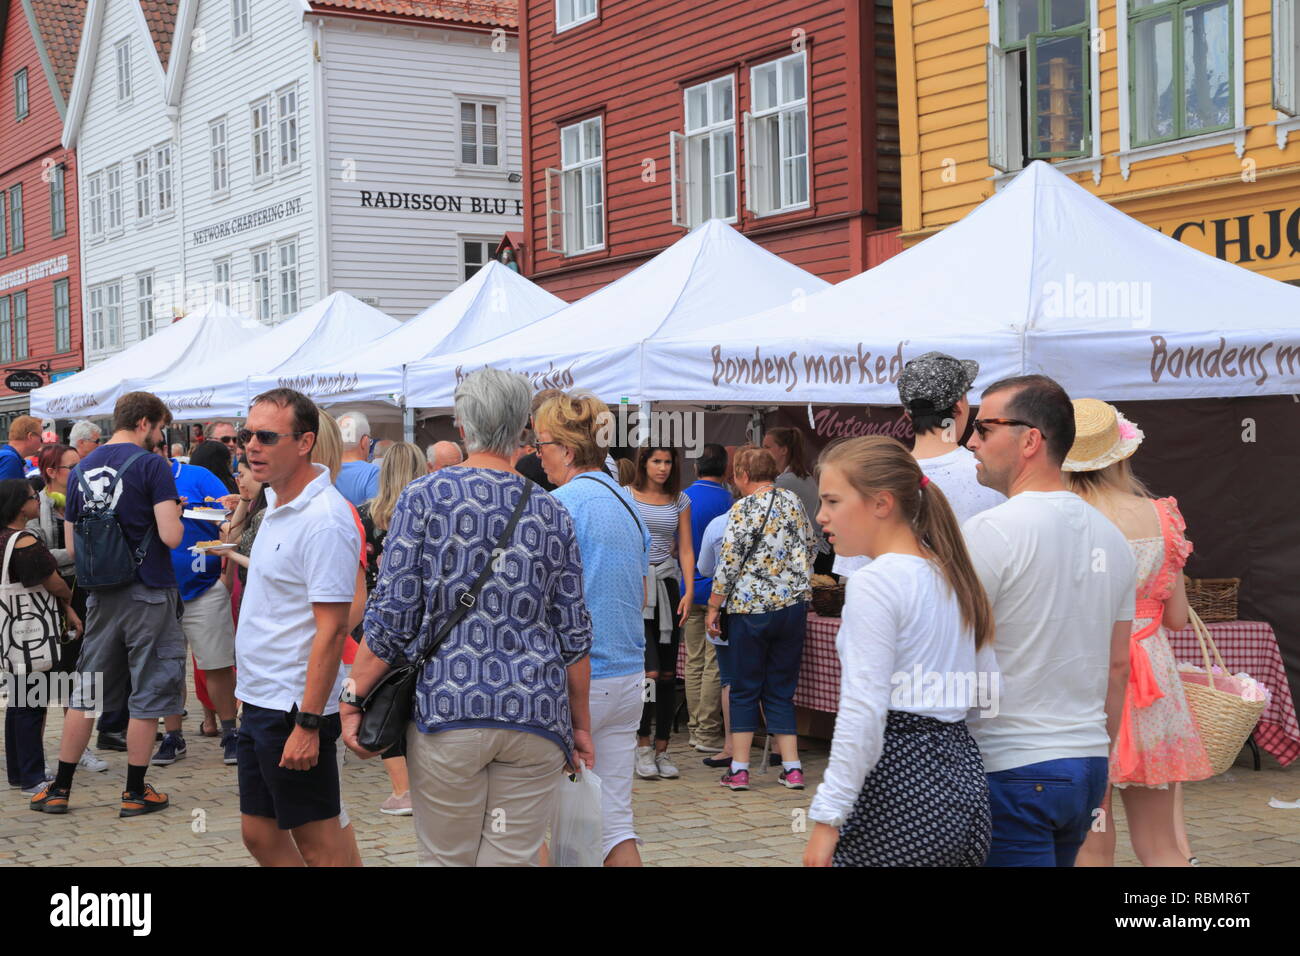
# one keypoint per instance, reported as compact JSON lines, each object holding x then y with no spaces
{"x":58,"y":201}
{"x":776,"y":136}
{"x":704,"y":171}
{"x":105,"y":316}
{"x":287,"y":126}
{"x":1180,"y":53}
{"x":261,"y":132}
{"x":221,"y":281}
{"x":479,"y":143}
{"x":474,"y":254}
{"x":1286,"y":58}
{"x":95,"y":203}
{"x":569,"y":13}
{"x":580,"y":203}
{"x":114,"y":197}
{"x":162,"y":165}
{"x":20,"y":325}
{"x":4,"y":228}
{"x":123,"y":54}
{"x":62,"y":317}
{"x":6,"y":331}
{"x":16,"y":218}
{"x":143,"y":188}
{"x":287,"y":253}
{"x":262,"y":283}
{"x":217,"y":155}
{"x":20,"y":94}
{"x":144,"y":304}
{"x":240,"y":24}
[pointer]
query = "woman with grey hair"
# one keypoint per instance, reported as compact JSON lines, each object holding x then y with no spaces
{"x":501,"y":705}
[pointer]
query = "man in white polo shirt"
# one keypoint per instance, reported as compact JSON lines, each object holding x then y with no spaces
{"x":292,"y":624}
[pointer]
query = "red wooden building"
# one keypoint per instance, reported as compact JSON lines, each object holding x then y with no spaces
{"x":40,"y":304}
{"x":643,"y":119}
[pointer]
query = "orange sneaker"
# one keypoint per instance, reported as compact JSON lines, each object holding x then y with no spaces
{"x":137,"y":804}
{"x":50,"y":799}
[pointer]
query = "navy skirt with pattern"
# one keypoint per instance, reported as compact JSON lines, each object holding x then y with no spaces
{"x":926,"y":803}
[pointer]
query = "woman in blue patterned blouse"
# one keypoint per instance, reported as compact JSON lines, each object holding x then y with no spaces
{"x":501,"y":706}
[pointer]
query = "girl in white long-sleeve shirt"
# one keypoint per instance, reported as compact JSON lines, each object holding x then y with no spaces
{"x":905,"y":785}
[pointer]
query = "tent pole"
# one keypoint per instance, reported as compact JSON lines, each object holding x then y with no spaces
{"x":408,"y":424}
{"x":645,"y":410}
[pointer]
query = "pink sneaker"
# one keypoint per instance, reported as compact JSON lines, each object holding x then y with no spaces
{"x":736,"y":781}
{"x":792,"y":779}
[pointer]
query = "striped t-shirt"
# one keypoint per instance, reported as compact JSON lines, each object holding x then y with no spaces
{"x":662,"y":522}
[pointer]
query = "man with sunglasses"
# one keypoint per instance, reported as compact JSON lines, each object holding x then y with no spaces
{"x":1061,"y":580}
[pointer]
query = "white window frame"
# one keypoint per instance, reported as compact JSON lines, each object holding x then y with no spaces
{"x":164,"y":179}
{"x":59,"y":201}
{"x":686,"y":192}
{"x":478,"y":102}
{"x":1286,"y":68}
{"x":755,"y":172}
{"x":22,"y":341}
{"x":262,"y":134}
{"x":570,"y":13}
{"x":287,"y":275}
{"x":122,"y":70}
{"x":145,"y":315}
{"x":95,"y":205}
{"x":62,"y":316}
{"x":291,"y":139}
{"x":6,"y":329}
{"x":219,"y":157}
{"x":114,"y":199}
{"x":143,"y":188}
{"x":105,"y":326}
{"x":113,"y":319}
{"x":488,"y":244}
{"x":263,"y":302}
{"x":572,"y":178}
{"x":221,"y":280}
{"x":241,"y":21}
{"x":17,"y":226}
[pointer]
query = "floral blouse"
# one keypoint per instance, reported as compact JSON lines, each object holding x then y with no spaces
{"x":777,"y":573}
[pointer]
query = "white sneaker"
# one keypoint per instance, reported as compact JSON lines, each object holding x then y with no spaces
{"x":665,"y":766}
{"x":90,"y":762}
{"x":645,"y":763}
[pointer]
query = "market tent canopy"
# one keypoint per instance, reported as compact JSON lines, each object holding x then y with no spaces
{"x":494,"y":301}
{"x":289,"y":352}
{"x":180,"y":350}
{"x":708,"y":276}
{"x":1041,"y":277}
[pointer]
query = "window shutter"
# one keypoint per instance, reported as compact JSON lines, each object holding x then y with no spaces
{"x":999,"y":140}
{"x":680,"y":177}
{"x":554,"y":211}
{"x":751,"y":164}
{"x":1286,"y":59}
{"x":1057,"y":99}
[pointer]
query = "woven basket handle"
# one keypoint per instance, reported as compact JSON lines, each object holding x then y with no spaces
{"x":1203,"y":636}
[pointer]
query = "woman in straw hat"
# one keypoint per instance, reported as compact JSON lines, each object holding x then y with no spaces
{"x":1158,"y":743}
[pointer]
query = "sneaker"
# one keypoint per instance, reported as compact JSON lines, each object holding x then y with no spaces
{"x":50,"y":799}
{"x":148,"y":801}
{"x":111,"y":740}
{"x":692,"y":742}
{"x":708,"y":748}
{"x":645,"y":763}
{"x":736,"y":781}
{"x":666,"y":768}
{"x":229,"y":745}
{"x":397,"y":806}
{"x":170,"y":750}
{"x":36,"y":788}
{"x":792,"y":779}
{"x":92,"y":763}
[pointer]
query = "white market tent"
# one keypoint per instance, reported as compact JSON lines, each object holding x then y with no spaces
{"x":496,"y":300}
{"x":289,"y":352}
{"x":1042,"y":277}
{"x":180,"y":350}
{"x":709,"y":276}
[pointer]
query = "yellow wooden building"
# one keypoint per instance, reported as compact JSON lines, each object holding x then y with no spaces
{"x":1185,"y":114}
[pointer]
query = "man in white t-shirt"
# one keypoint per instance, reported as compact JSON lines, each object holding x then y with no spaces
{"x":932,"y":390}
{"x":1062,"y":582}
{"x":302,"y":574}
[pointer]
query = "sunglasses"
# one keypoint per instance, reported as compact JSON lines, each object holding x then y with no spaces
{"x":266,"y":437}
{"x":228,"y":439}
{"x":982,"y":424}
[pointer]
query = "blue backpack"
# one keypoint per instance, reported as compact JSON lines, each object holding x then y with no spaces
{"x":104,"y":558}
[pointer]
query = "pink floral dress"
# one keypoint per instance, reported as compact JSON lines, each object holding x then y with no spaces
{"x":1158,"y":742}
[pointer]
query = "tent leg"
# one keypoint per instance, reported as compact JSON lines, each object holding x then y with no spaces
{"x":408,"y":424}
{"x":645,"y":410}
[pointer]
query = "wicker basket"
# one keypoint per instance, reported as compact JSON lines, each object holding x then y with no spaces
{"x":1214,"y":599}
{"x":828,"y":601}
{"x":1224,"y":719}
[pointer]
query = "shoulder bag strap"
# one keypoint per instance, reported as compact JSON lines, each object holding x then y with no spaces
{"x":753,"y":545}
{"x":467,"y":600}
{"x":9,"y":553}
{"x":619,"y":498}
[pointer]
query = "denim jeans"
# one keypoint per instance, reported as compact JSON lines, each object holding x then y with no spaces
{"x":763,"y":660}
{"x":24,"y":745}
{"x":1043,"y":811}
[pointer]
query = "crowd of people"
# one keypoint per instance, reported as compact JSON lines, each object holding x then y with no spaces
{"x":545,"y":590}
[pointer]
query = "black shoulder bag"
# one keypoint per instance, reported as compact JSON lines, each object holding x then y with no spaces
{"x":619,"y":499}
{"x":740,"y":569}
{"x":387,"y":708}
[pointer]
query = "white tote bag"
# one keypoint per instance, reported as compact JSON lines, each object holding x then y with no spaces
{"x":30,"y":623}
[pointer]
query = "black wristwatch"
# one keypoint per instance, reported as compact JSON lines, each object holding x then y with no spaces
{"x":307,"y":721}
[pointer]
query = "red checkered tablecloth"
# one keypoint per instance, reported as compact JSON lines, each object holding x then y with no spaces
{"x":1248,"y":646}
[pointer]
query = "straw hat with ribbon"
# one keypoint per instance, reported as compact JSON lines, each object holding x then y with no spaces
{"x":1102,"y":436}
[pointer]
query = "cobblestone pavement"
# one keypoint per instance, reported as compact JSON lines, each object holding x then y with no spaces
{"x":690,"y":821}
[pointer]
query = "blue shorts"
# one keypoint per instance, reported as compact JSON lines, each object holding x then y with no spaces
{"x":291,"y":797}
{"x":1042,"y":812}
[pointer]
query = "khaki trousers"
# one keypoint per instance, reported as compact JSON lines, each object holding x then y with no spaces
{"x":703,"y":685}
{"x":481,"y":797}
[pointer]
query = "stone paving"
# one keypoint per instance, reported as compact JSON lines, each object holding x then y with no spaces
{"x":690,"y":821}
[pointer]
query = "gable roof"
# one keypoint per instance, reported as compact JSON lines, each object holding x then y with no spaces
{"x":483,"y":13}
{"x":58,"y":25}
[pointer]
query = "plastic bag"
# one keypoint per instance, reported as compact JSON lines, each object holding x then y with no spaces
{"x":577,"y":829}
